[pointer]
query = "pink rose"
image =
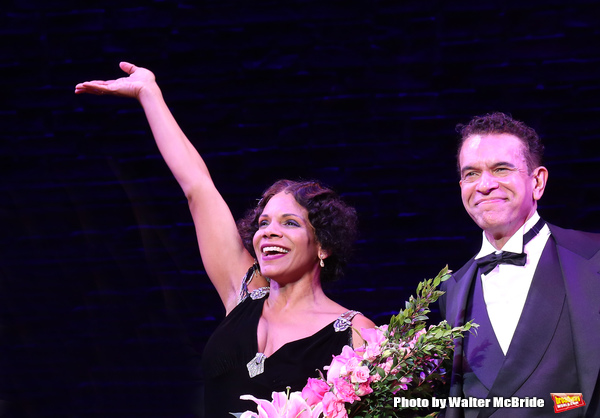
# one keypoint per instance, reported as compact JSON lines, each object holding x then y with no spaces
{"x":387,"y":366}
{"x":374,"y":339}
{"x":364,"y":389}
{"x":333,"y":407}
{"x":351,"y":365}
{"x":415,"y":337}
{"x":375,"y":377}
{"x":360,"y":374}
{"x":344,"y":390}
{"x":374,"y":336}
{"x":334,"y":370}
{"x":371,"y":352}
{"x":337,"y":367}
{"x":314,"y":391}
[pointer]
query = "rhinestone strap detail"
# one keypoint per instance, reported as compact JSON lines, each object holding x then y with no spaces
{"x":259,"y":293}
{"x":344,"y":321}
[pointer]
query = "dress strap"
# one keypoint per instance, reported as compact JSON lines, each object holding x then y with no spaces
{"x":344,"y":321}
{"x":256,"y":293}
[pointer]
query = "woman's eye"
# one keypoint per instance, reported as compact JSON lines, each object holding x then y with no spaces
{"x":291,"y":223}
{"x":262,"y":223}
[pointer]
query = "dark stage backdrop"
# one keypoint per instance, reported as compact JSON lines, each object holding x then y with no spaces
{"x":104,"y":303}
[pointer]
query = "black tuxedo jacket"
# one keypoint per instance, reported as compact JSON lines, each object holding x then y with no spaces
{"x":579,"y":257}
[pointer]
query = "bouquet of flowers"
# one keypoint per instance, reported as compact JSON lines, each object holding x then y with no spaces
{"x":402,"y":359}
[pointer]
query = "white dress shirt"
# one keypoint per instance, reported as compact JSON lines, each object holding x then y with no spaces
{"x":505,"y":288}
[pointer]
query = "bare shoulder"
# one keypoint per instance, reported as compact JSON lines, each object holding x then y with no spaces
{"x":361,"y":321}
{"x":358,"y":323}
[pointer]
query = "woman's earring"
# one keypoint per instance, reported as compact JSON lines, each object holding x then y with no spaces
{"x":321,"y":263}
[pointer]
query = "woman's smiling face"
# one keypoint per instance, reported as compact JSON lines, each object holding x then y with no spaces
{"x":285,"y":243}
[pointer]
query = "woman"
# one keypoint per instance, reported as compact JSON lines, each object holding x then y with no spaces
{"x":279,"y":326}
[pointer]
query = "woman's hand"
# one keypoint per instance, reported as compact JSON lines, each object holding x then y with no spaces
{"x":215,"y":227}
{"x":139,"y":79}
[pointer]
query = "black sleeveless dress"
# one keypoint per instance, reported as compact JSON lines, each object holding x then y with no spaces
{"x":233,"y":345}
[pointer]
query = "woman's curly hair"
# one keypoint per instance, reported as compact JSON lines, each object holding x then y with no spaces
{"x":334,"y":222}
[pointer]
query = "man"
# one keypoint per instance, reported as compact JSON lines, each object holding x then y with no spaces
{"x":539,"y":316}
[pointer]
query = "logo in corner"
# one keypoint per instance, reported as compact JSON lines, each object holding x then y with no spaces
{"x":567,"y":401}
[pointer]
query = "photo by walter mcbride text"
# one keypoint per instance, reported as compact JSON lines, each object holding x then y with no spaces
{"x":457,"y":402}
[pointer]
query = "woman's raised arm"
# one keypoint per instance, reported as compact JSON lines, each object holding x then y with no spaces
{"x":223,"y":254}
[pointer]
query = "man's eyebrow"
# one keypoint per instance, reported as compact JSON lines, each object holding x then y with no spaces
{"x":503,"y":163}
{"x":495,"y":165}
{"x":467,"y":168}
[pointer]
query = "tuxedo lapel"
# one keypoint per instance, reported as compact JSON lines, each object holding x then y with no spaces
{"x":582,"y":283}
{"x":457,"y":293}
{"x":483,"y":355}
{"x":539,"y":319}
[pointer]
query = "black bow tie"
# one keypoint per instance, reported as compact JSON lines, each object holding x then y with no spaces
{"x":490,"y":261}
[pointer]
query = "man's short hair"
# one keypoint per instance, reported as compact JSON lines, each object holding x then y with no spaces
{"x":501,"y":123}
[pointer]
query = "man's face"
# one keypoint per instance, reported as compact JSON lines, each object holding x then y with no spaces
{"x":496,"y":188}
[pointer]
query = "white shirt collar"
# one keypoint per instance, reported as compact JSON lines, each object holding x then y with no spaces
{"x":514,"y":244}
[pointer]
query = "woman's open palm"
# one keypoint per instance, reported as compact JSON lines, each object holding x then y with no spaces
{"x":130,"y":86}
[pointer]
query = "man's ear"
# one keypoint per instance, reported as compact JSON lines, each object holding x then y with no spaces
{"x":540,"y":178}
